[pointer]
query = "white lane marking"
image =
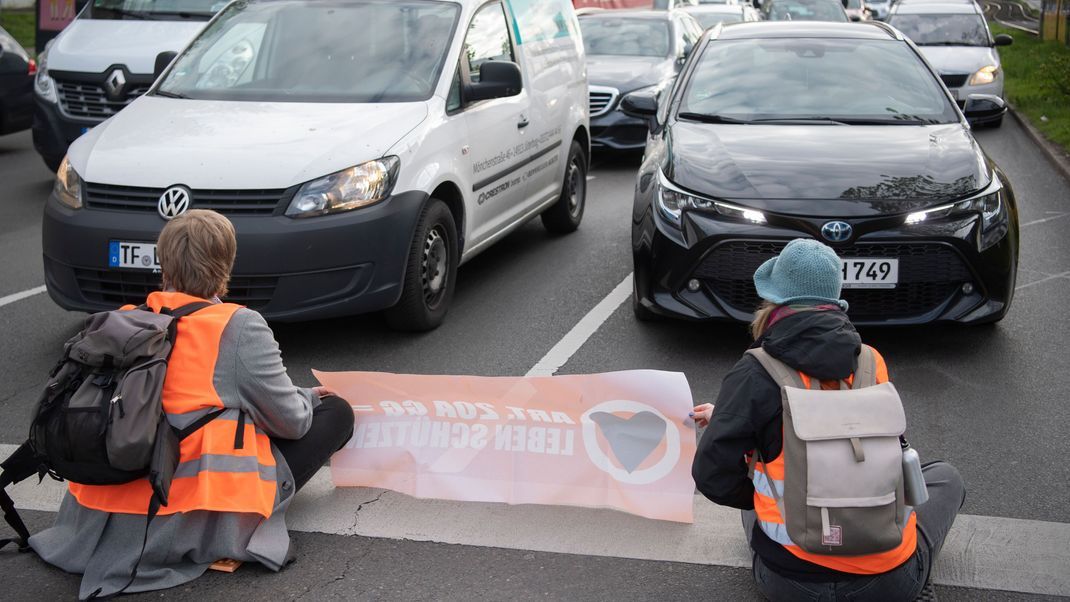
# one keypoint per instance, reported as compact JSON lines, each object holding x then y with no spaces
{"x":1042,"y":280}
{"x":981,"y":552}
{"x":21,"y":295}
{"x":587,"y":326}
{"x":1044,"y":219}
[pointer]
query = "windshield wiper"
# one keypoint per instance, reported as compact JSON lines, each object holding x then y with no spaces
{"x":949,"y":44}
{"x":183,"y":14}
{"x":878,"y":121}
{"x":708,"y":118}
{"x":127,"y":13}
{"x":167,"y":94}
{"x":801,"y":120}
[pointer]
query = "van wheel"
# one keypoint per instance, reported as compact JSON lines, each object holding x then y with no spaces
{"x":565,"y":215}
{"x":430,"y":274}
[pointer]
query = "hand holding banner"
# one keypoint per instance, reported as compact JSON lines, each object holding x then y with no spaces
{"x":620,"y":440}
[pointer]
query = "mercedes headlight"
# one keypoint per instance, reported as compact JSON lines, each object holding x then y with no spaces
{"x":672,"y":201}
{"x":349,"y":189}
{"x":43,"y":83}
{"x":989,"y":205}
{"x":984,"y":75}
{"x":68,"y":185}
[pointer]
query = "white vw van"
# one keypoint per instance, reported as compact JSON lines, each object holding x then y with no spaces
{"x":363,"y":149}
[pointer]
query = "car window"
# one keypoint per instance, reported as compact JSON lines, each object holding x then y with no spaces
{"x":487,"y":39}
{"x":814,"y":78}
{"x":807,"y":10}
{"x":249,"y":53}
{"x":623,"y":36}
{"x":708,"y":20}
{"x":940,"y":30}
{"x":152,"y":9}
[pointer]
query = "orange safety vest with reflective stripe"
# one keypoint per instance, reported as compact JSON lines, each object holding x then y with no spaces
{"x":214,"y":472}
{"x":772,"y":523}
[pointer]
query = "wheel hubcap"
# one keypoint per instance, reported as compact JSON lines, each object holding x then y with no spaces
{"x":576,"y":185}
{"x":433,"y":266}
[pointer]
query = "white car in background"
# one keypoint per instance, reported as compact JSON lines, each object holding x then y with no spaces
{"x":709,"y":15}
{"x":955,"y":39}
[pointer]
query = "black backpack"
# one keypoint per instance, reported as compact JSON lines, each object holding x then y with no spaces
{"x":100,"y":419}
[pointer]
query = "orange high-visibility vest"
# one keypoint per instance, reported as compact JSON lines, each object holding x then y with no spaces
{"x":772,"y":523}
{"x":212,"y":474}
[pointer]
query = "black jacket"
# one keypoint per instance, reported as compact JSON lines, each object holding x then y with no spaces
{"x":821,"y":344}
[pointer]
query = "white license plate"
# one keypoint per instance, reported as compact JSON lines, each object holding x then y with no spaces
{"x":870,"y":273}
{"x":136,"y":255}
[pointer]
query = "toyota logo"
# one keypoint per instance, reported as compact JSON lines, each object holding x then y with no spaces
{"x":173,"y":202}
{"x":837,"y":231}
{"x":115,"y":82}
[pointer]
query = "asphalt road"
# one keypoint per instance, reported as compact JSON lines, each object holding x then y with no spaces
{"x":991,"y":400}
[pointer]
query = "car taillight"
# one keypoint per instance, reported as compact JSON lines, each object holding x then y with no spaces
{"x":33,"y":67}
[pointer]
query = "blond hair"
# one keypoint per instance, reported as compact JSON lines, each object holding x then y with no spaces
{"x":761,"y":319}
{"x":196,"y":252}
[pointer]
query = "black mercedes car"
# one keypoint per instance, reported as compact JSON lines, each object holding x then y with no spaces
{"x":16,"y":86}
{"x":629,"y":50}
{"x":776,"y":131}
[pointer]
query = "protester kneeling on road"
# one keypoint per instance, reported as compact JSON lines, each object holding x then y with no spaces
{"x":748,"y":456}
{"x":236,"y":474}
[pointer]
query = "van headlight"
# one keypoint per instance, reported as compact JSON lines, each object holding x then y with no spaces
{"x":43,"y":83}
{"x":672,"y":201}
{"x":360,"y":186}
{"x":990,"y":205}
{"x":984,"y":75}
{"x":68,"y":185}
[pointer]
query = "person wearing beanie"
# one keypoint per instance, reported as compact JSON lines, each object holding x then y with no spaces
{"x":803,"y":322}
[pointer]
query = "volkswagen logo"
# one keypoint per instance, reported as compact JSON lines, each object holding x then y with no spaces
{"x":115,"y":82}
{"x":173,"y":202}
{"x":837,"y":231}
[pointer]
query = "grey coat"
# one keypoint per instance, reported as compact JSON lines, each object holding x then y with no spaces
{"x":103,"y":547}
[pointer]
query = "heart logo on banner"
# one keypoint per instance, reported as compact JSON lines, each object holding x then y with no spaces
{"x":632,"y":439}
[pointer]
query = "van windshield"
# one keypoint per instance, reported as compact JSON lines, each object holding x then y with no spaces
{"x":153,"y":10}
{"x":317,"y":51}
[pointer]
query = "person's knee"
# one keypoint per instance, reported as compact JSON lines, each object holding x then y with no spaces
{"x":944,"y":476}
{"x":338,"y":415}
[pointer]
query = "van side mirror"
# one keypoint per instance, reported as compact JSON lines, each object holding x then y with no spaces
{"x":162,"y":61}
{"x":1003,"y":40}
{"x":981,"y":107}
{"x":497,"y":79}
{"x":856,"y":18}
{"x":641,"y":105}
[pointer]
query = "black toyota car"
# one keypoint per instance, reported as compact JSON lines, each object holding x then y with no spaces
{"x":777,"y":131}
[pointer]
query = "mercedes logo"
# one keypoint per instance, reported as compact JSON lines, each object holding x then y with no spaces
{"x":115,"y":82}
{"x":837,"y":231}
{"x":173,"y":202}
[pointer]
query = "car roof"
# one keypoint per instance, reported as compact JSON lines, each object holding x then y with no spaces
{"x":868,"y":30}
{"x":936,"y":8}
{"x":630,"y":14}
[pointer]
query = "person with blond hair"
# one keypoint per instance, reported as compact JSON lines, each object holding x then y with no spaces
{"x":261,"y":440}
{"x":803,"y":323}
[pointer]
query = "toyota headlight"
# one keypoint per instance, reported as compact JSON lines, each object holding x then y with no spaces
{"x":989,"y":205}
{"x":349,"y":189}
{"x":672,"y":201}
{"x":68,"y":185}
{"x":43,"y":83}
{"x":984,"y":75}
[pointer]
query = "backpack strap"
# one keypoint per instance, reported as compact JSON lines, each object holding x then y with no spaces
{"x":781,"y":373}
{"x":866,"y":372}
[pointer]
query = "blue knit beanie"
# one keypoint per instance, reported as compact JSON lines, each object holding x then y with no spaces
{"x":805,"y":271}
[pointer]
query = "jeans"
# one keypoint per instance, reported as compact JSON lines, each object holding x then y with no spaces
{"x":947,"y":493}
{"x":332,"y":427}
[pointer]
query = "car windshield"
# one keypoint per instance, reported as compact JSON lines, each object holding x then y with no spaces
{"x":155,"y":10}
{"x":309,"y":51}
{"x":943,"y":30}
{"x":622,"y":36}
{"x":810,"y":79}
{"x":708,"y":20}
{"x":852,"y":4}
{"x":806,"y":10}
{"x":717,"y":1}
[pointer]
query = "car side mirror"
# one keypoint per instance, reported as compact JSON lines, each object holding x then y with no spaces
{"x":1004,"y":40}
{"x":855,"y":18}
{"x":162,"y":61}
{"x":641,"y":105}
{"x":983,"y":106}
{"x":497,"y":79}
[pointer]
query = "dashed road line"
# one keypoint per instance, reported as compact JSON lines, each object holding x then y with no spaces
{"x":1043,"y":219}
{"x":560,"y":353}
{"x":1042,"y":280}
{"x":9,"y":299}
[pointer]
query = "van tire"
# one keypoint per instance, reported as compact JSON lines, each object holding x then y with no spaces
{"x":430,"y":273}
{"x":565,"y":215}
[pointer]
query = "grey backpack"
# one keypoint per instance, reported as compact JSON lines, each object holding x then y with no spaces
{"x":843,"y":464}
